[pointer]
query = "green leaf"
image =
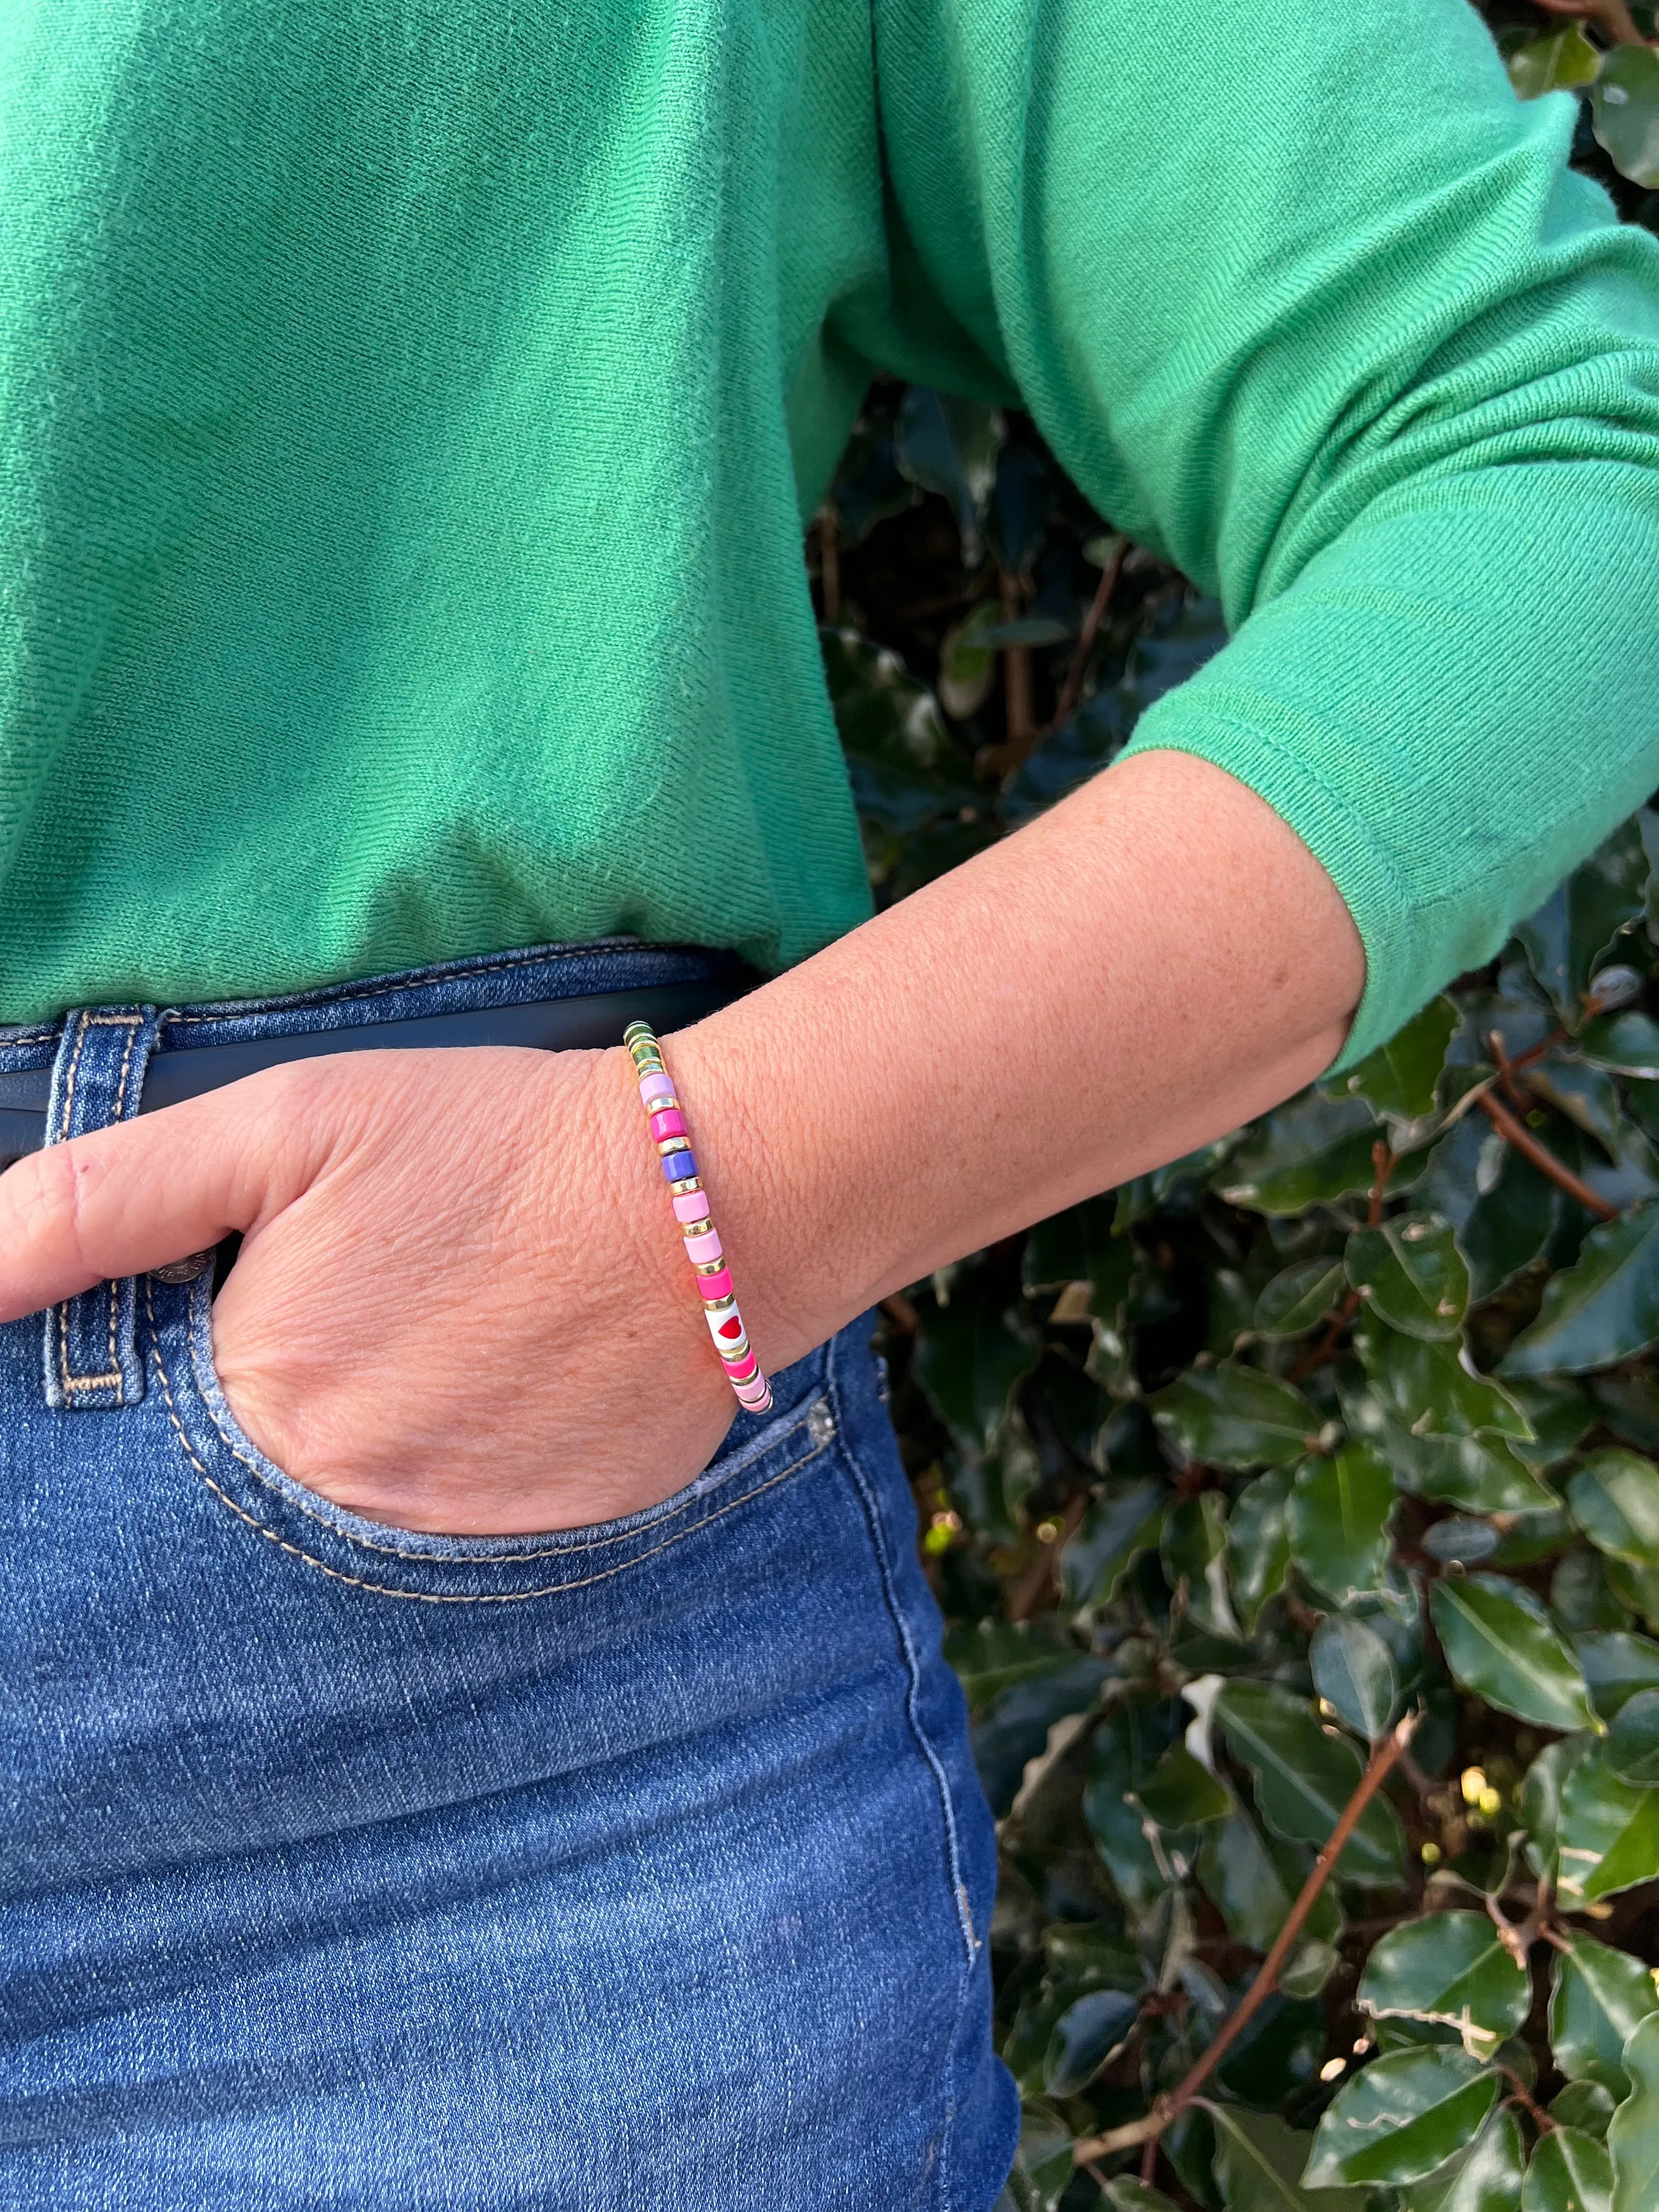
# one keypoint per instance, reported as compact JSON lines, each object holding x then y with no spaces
{"x":1567,"y":937}
{"x":1604,"y":1310}
{"x":1560,"y":1412}
{"x":1487,"y":2177}
{"x":1254,"y":1880}
{"x":1311,"y":1152}
{"x":990,"y":1656}
{"x":970,"y":1358}
{"x":1139,"y":1873}
{"x":1616,"y":1665}
{"x":904,"y":770}
{"x":1519,"y":1216}
{"x":1180,"y":1793}
{"x":1541,"y":1799}
{"x":1430,"y":1390}
{"x":1122,"y":1522}
{"x":950,"y":446}
{"x":1632,"y":1749}
{"x":1232,"y":1416}
{"x":1481,"y":1474}
{"x":1085,"y":2036}
{"x":1400,"y":1077}
{"x":968,"y":661}
{"x":1259,"y":2163}
{"x":1195,"y":1560}
{"x":1635,"y":1588}
{"x":1354,"y":1672}
{"x":1339,"y":1520}
{"x":1624,"y":106}
{"x":1042,"y":2163}
{"x":1598,"y":1997}
{"x":1401,"y":2116}
{"x":1588,"y":1096}
{"x":1614,"y":1498}
{"x":1450,"y":1969}
{"x":1500,"y":1642}
{"x":1412,"y":1274}
{"x":1125,"y":2194}
{"x":1305,"y":1777}
{"x":1568,"y":2173}
{"x":1585,"y":2106}
{"x":1558,"y":62}
{"x":1633,"y":2137}
{"x":1607,"y":1835}
{"x":1297,"y":1297}
{"x":1259,"y":1544}
{"x":1624,"y":1044}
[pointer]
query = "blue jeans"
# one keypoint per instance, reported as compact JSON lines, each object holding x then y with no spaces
{"x":641,"y":1865}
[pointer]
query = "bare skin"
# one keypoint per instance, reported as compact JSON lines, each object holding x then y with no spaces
{"x":461,"y":1303}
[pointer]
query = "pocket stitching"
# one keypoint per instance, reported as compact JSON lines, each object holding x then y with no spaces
{"x":436,"y":1597}
{"x":755,"y":1449}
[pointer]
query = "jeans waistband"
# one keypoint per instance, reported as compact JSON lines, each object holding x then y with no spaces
{"x":145,"y":1046}
{"x":65,"y":1079}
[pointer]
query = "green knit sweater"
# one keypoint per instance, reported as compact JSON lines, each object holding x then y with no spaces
{"x":409,"y":408}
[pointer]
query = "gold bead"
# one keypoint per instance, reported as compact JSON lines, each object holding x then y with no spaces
{"x":667,"y":1144}
{"x":728,"y":1304}
{"x":698,"y":1228}
{"x":690,"y":1183}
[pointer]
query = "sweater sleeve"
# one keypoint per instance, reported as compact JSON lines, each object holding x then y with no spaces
{"x":1305,"y":299}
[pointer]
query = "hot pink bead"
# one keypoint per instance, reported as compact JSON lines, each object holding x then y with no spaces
{"x":669,"y":1124}
{"x":715,"y":1286}
{"x":743,"y":1369}
{"x":656,"y":1085}
{"x":705,"y":1248}
{"x":690,"y":1204}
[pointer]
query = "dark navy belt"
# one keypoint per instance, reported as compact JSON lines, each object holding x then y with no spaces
{"x":577,"y":1024}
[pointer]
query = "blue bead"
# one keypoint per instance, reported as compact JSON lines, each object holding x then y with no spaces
{"x":678,"y":1167}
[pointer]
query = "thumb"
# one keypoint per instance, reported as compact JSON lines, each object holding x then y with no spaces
{"x":135,"y":1196}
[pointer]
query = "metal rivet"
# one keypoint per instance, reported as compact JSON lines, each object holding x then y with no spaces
{"x":820,"y":1422}
{"x":185,"y":1271}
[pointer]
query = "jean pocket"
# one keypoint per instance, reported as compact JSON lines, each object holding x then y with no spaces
{"x":310,"y":1530}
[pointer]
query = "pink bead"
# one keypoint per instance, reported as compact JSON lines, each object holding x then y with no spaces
{"x":755,"y":1397}
{"x":691,"y":1205}
{"x":714,"y":1286}
{"x":743,"y":1369}
{"x":655,"y":1085}
{"x":704,"y":1247}
{"x":669,"y":1124}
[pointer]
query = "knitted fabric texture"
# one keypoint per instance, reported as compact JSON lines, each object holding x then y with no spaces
{"x":408,"y":409}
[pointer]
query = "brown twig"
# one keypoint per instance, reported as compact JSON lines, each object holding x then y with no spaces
{"x":1033,"y":1587}
{"x":1516,"y":1133}
{"x":1382,"y":1160}
{"x":1611,"y":18}
{"x":1520,"y":2094}
{"x":1382,"y":1761}
{"x":1073,"y":686}
{"x":830,"y":562}
{"x":1019,"y":714}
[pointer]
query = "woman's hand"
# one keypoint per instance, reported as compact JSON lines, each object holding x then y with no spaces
{"x":460,"y":1303}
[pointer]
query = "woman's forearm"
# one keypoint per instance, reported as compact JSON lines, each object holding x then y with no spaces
{"x":1154,"y":960}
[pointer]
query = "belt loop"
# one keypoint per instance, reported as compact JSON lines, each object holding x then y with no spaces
{"x":92,"y":1356}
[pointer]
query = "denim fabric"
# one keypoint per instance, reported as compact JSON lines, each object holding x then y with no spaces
{"x":636,"y":1866}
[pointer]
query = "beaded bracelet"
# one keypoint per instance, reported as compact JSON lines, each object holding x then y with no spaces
{"x":702,"y":1243}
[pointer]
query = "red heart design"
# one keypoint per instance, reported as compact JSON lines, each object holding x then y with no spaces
{"x":733,"y":1328}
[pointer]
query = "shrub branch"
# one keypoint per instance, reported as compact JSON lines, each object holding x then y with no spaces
{"x":1380,"y":1763}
